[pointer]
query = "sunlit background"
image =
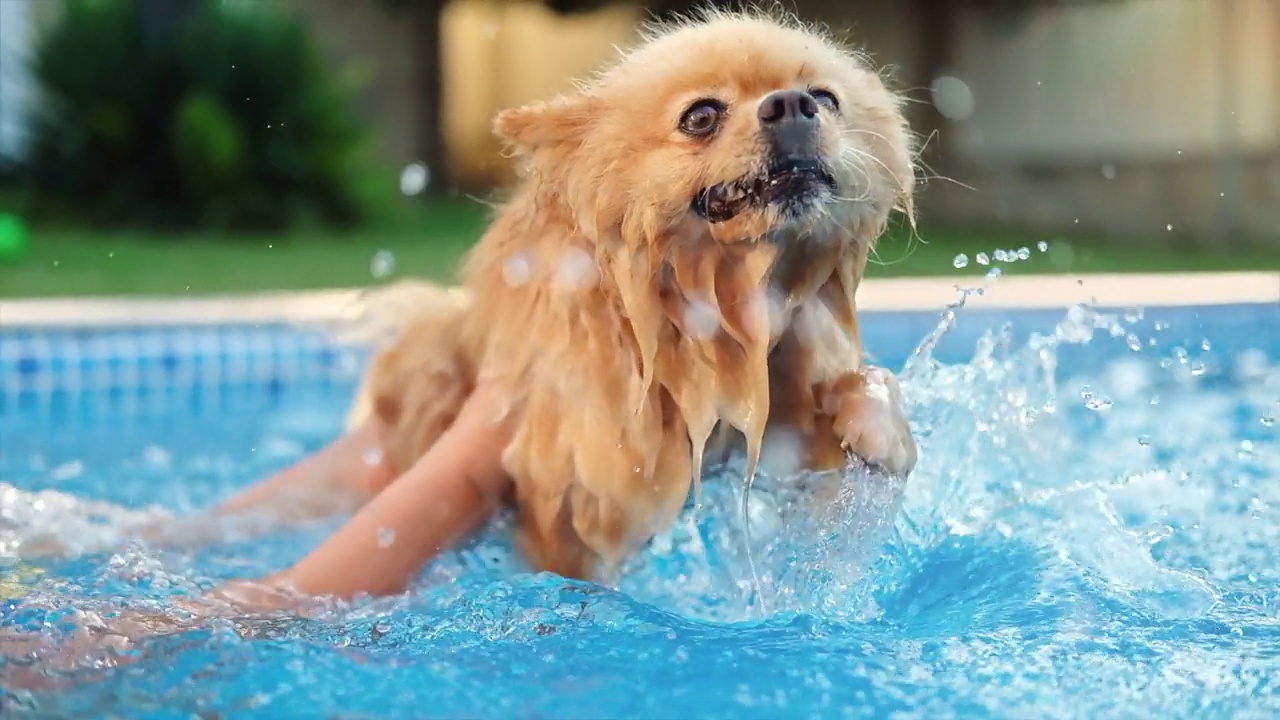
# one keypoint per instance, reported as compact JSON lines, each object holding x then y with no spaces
{"x":1093,"y":528}
{"x":263,"y":144}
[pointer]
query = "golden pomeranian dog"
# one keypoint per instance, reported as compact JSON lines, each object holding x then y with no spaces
{"x":679,"y":261}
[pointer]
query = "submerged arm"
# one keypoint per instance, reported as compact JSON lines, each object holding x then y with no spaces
{"x":447,"y":494}
{"x":338,"y":479}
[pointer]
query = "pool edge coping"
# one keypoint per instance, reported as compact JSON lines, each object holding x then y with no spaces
{"x":1025,"y":292}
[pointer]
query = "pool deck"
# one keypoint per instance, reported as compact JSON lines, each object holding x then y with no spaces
{"x":896,"y":294}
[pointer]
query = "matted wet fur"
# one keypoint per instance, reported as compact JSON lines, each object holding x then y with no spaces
{"x":680,"y":258}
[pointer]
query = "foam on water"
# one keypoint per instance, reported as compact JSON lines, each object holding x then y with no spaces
{"x":1069,"y":546}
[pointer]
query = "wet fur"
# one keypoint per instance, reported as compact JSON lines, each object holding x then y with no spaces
{"x":589,"y":299}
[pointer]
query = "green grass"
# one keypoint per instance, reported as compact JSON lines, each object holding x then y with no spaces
{"x":428,"y":240}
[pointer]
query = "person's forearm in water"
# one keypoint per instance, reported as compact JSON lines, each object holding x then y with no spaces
{"x":338,"y":479}
{"x":447,"y":494}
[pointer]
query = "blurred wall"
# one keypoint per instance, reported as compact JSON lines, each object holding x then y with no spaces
{"x":1131,"y":119}
{"x":363,"y":36}
{"x":499,"y":54}
{"x":1146,"y":118}
{"x":495,"y":53}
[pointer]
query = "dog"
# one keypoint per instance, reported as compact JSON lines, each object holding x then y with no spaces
{"x":674,"y":274}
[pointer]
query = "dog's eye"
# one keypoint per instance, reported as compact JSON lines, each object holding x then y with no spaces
{"x":826,"y":99}
{"x":702,"y":118}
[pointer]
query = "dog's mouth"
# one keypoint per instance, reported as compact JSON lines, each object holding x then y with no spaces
{"x":789,"y":181}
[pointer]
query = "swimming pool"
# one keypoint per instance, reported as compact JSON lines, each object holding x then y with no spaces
{"x":1093,"y":530}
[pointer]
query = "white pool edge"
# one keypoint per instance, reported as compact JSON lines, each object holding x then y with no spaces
{"x":1028,"y":292}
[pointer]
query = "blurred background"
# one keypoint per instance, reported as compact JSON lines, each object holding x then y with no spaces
{"x":212,"y":146}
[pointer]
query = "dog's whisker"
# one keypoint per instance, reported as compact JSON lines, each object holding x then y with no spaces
{"x":864,"y":155}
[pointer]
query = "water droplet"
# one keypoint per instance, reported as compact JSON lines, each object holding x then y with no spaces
{"x":386,"y":537}
{"x":67,"y":471}
{"x":1169,"y":227}
{"x":1267,"y":420}
{"x":961,"y":260}
{"x":1205,"y":345}
{"x":982,"y":259}
{"x":382,"y":264}
{"x":382,"y":627}
{"x":1042,"y":246}
{"x":516,"y":270}
{"x":701,"y":319}
{"x":994,"y":273}
{"x":1109,"y":171}
{"x":1094,"y":401}
{"x":1198,"y":368}
{"x":1144,"y":440}
{"x":372,"y":456}
{"x":414,"y":178}
{"x":952,"y":97}
{"x":1000,"y":255}
{"x":1251,"y":365}
{"x":1024,"y":253}
{"x":782,"y":453}
{"x":155,"y":455}
{"x":1134,"y":342}
{"x":1246,"y":449}
{"x":577,"y":270}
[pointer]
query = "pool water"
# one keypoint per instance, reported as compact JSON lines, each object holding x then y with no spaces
{"x":1093,"y":531}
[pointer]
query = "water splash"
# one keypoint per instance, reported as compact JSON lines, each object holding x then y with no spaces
{"x":382,"y":264}
{"x":1060,"y":550}
{"x":414,"y":178}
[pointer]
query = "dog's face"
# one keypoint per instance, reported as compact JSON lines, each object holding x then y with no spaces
{"x":732,"y":129}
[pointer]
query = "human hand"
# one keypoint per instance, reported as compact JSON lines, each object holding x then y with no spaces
{"x":103,"y":639}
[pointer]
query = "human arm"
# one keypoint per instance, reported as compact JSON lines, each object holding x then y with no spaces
{"x":446,"y":495}
{"x":339,"y":478}
{"x":334,"y":480}
{"x":449,"y":492}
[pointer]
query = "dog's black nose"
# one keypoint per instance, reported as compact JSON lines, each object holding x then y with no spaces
{"x":789,"y":120}
{"x":787,"y":105}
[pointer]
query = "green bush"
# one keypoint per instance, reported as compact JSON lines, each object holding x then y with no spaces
{"x":223,"y":116}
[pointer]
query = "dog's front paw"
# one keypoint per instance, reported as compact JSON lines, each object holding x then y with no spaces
{"x":871,"y":419}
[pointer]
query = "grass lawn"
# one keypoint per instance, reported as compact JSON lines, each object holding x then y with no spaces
{"x":428,"y":240}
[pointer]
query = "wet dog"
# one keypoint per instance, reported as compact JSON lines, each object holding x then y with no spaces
{"x":676,"y":270}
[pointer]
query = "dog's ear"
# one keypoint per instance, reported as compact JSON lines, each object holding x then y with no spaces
{"x":533,"y":127}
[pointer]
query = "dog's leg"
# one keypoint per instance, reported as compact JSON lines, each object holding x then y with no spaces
{"x":867,"y":415}
{"x":837,"y":408}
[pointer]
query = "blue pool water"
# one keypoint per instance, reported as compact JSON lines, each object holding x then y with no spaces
{"x":1093,"y":531}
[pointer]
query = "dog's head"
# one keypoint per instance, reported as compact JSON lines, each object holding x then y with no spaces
{"x":731,"y":128}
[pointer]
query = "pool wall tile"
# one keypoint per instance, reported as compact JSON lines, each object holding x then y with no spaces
{"x":153,"y":371}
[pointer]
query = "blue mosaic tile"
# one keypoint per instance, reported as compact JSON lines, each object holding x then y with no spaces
{"x":158,"y":370}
